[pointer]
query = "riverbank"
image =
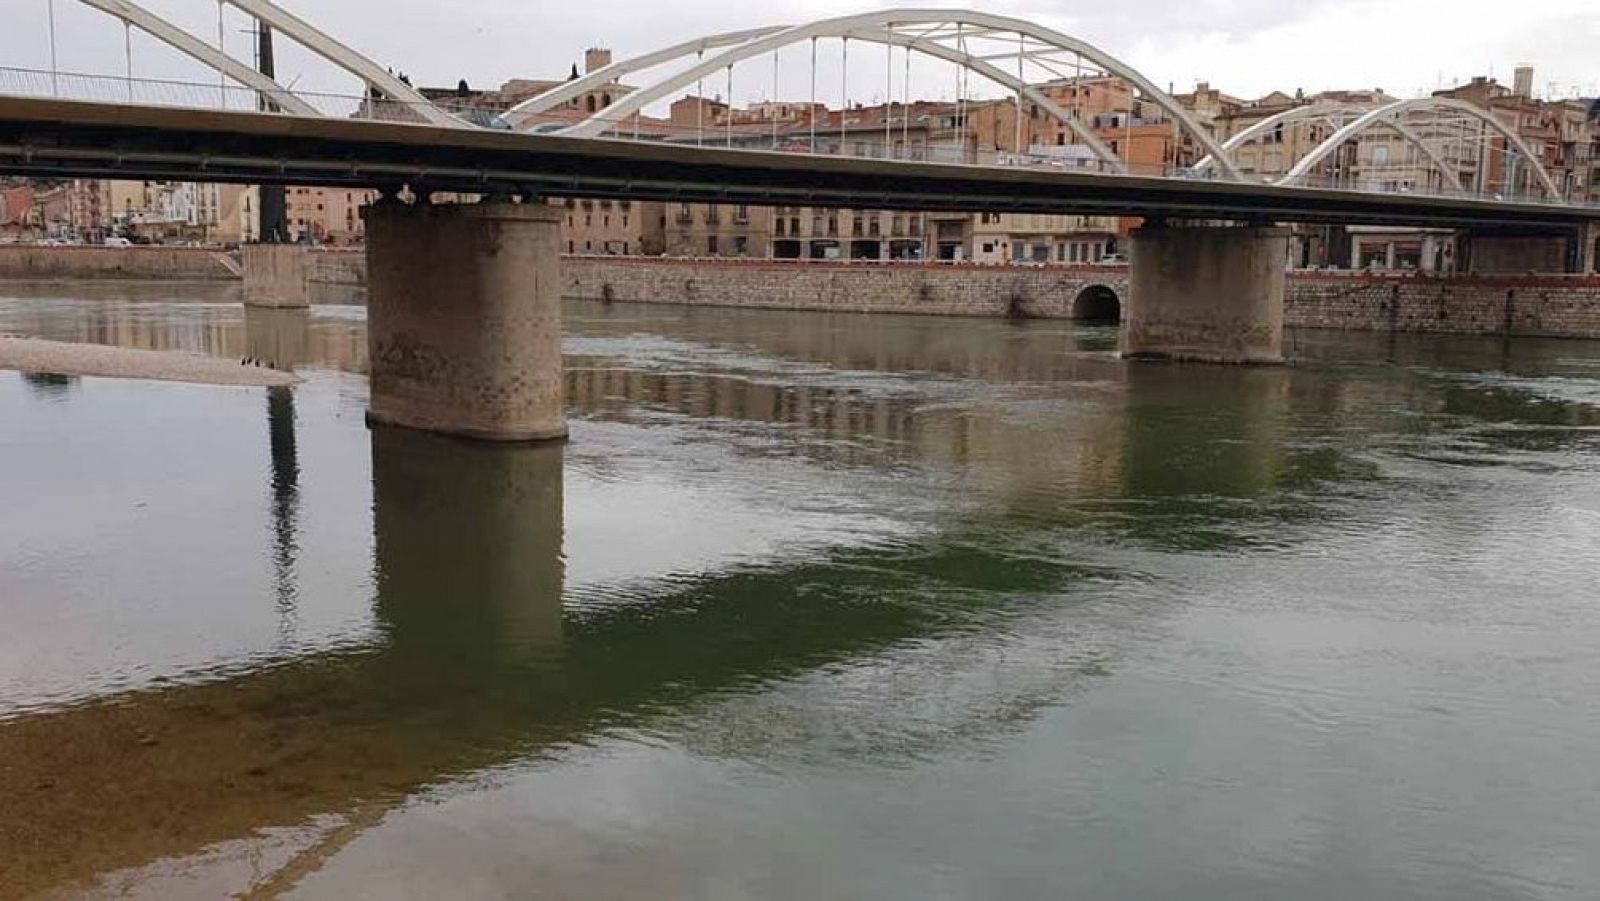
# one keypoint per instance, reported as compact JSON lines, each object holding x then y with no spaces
{"x":1549,"y":306}
{"x":63,"y":358}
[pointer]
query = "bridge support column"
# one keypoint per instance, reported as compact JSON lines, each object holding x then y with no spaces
{"x":277,"y":276}
{"x":1209,"y":294}
{"x":464,"y":319}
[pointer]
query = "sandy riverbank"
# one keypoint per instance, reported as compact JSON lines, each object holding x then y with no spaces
{"x":32,"y":355}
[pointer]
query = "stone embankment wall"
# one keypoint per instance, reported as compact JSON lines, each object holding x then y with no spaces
{"x":937,"y":290}
{"x":22,"y":261}
{"x":1550,"y":306}
{"x":1553,"y":306}
{"x":342,"y":267}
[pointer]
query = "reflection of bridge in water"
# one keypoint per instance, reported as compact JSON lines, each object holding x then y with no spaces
{"x":480,"y":665}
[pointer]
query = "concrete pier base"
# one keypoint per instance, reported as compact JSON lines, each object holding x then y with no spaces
{"x":464,"y":319}
{"x":277,"y":276}
{"x":1208,"y":294}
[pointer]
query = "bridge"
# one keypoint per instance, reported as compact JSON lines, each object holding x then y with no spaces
{"x":464,"y":297}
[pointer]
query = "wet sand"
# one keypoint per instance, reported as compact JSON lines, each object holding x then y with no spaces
{"x":60,"y":358}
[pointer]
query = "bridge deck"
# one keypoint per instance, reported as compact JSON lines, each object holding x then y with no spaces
{"x":94,"y":140}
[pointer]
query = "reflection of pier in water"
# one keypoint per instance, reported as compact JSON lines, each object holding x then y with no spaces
{"x":478,"y":665}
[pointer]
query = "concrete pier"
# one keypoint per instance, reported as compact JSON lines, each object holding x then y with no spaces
{"x":464,"y":319}
{"x":277,"y":276}
{"x":1210,"y":294}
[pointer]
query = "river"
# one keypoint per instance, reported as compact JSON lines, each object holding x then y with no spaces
{"x":811,"y":606}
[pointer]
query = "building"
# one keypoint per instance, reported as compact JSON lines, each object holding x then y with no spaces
{"x":1563,"y":134}
{"x":988,"y":132}
{"x":74,"y":210}
{"x":327,"y":215}
{"x":18,"y":214}
{"x":614,"y":227}
{"x":1043,"y":238}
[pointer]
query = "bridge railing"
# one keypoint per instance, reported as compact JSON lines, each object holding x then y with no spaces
{"x":213,"y":96}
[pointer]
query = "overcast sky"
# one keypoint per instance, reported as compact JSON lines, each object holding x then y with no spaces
{"x":1245,"y":47}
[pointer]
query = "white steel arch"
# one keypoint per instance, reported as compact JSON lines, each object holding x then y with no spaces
{"x":877,"y":27}
{"x":186,"y":43}
{"x":282,"y":20}
{"x":322,"y":44}
{"x":601,"y":77}
{"x":1336,"y":116}
{"x":1395,"y":110}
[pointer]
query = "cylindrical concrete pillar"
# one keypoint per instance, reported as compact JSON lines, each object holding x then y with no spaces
{"x":464,"y":319}
{"x":1209,"y":294}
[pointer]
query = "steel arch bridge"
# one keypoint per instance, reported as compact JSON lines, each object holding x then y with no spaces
{"x":1018,"y":56}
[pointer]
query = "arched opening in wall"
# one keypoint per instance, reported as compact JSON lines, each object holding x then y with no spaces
{"x":1097,"y":304}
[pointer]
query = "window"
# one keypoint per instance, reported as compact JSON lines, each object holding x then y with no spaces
{"x":741,"y":245}
{"x":988,"y":248}
{"x":711,"y":245}
{"x":1380,"y":155}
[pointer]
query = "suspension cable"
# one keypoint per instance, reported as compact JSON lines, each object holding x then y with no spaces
{"x":55,"y":69}
{"x":1021,"y":55}
{"x":222,"y":39}
{"x":905,"y":104}
{"x":813,"y":112}
{"x":888,"y":89}
{"x":127,"y":50}
{"x":844,"y":91}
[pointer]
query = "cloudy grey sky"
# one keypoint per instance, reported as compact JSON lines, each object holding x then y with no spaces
{"x":1246,"y":47}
